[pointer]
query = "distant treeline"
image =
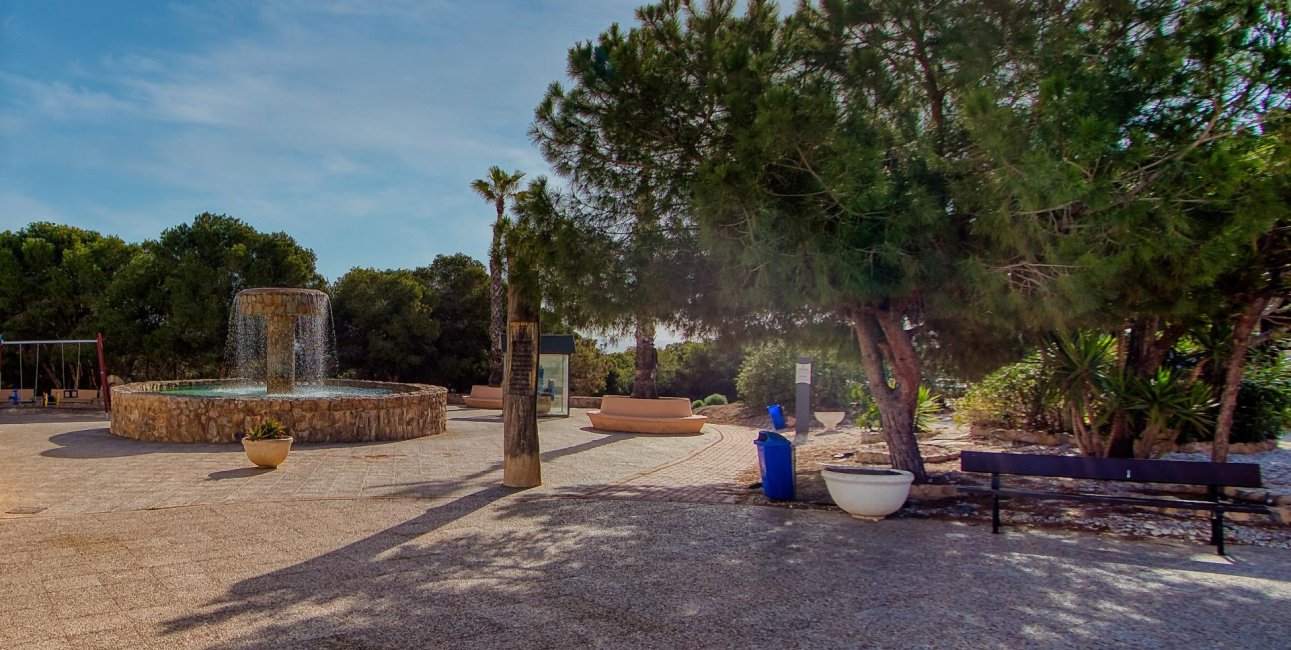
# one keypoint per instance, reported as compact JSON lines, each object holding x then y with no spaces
{"x":163,"y":305}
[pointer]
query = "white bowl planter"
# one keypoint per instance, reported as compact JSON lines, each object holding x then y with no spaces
{"x":268,"y":453}
{"x":867,"y":492}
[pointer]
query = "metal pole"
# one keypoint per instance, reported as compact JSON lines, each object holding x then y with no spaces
{"x":802,"y":396}
{"x":103,"y":376}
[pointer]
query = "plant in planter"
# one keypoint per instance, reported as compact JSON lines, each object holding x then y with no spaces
{"x":266,"y":444}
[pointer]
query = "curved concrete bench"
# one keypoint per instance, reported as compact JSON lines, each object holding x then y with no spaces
{"x":663,"y":415}
{"x":484,"y":397}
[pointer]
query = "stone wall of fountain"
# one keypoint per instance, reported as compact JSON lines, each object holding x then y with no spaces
{"x":146,"y":411}
{"x":279,"y":340}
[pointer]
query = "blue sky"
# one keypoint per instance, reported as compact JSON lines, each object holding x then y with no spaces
{"x":353,"y":125}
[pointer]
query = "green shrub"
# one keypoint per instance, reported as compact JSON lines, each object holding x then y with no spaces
{"x":699,"y":403}
{"x":1263,"y":404}
{"x":698,"y":368}
{"x":1012,"y":397}
{"x":716,"y":399}
{"x":767,"y":377}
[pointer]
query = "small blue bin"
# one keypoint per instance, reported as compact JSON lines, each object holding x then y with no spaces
{"x":777,"y":417}
{"x":775,"y":460}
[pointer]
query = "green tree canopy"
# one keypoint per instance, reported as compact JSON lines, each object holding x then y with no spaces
{"x":949,"y":169}
{"x":460,"y":285}
{"x":53,"y":282}
{"x":385,"y":325}
{"x":169,"y":306}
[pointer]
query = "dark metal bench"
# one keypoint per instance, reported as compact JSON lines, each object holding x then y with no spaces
{"x":1215,"y":476}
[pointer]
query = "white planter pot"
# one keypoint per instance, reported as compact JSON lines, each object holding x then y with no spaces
{"x":867,"y":492}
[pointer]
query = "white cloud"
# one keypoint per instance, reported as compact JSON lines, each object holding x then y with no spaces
{"x":354,"y":125}
{"x":17,"y":210}
{"x":61,"y":101}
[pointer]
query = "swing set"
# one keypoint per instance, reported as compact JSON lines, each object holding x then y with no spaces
{"x":62,"y":393}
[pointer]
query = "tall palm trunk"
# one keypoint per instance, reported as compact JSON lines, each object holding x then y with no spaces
{"x":497,"y":298}
{"x":646,"y":363}
{"x":884,"y":342}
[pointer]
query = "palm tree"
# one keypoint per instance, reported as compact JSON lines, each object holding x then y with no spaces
{"x":497,"y":187}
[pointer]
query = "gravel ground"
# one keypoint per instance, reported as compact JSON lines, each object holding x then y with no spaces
{"x":1275,"y":466}
{"x":822,"y":448}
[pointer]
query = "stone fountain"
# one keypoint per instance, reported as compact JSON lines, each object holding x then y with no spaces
{"x":281,"y":349}
{"x":282,"y":310}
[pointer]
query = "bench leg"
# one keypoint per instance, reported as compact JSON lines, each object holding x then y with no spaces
{"x":995,"y":505}
{"x":1216,"y":521}
{"x":1217,"y":531}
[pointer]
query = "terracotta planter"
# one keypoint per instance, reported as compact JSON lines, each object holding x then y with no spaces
{"x":267,"y":453}
{"x":867,"y":492}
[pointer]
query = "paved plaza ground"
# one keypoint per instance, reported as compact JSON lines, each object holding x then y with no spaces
{"x":632,"y":541}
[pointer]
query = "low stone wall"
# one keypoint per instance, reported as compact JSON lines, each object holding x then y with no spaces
{"x":410,"y":411}
{"x":576,"y":402}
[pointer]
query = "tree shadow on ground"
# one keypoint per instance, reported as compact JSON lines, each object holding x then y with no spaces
{"x":432,"y":488}
{"x":495,"y":419}
{"x":100,"y":443}
{"x":480,"y":571}
{"x":590,"y":429}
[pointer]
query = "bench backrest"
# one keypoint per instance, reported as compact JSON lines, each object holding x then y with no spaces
{"x":663,"y":407}
{"x":1114,"y":469}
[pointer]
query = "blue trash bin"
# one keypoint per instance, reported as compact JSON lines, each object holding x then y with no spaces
{"x":775,"y":460}
{"x":777,"y":416}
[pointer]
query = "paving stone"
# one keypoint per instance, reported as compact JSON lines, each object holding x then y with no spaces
{"x":631,"y":557}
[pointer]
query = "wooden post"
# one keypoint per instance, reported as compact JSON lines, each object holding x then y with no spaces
{"x":521,"y":466}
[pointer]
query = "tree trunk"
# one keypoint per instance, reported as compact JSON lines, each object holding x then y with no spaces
{"x":521,"y":465}
{"x":1147,"y":440}
{"x":497,"y":319}
{"x":1233,"y":369}
{"x":646,"y":362}
{"x":1141,"y":354}
{"x":884,"y":341}
{"x":1120,"y":442}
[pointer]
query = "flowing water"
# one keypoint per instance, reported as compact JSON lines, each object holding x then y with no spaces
{"x":315,"y":346}
{"x":258,"y":390}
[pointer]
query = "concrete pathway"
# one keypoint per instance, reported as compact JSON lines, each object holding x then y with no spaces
{"x":412,"y":544}
{"x":67,"y":463}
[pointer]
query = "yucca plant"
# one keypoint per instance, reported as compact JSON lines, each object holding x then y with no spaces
{"x":270,"y":429}
{"x":1078,"y":377}
{"x":1164,"y":403}
{"x":925,"y":409}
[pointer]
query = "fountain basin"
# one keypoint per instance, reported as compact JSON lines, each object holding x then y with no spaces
{"x":155,"y":411}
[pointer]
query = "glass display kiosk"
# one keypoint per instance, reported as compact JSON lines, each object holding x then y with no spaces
{"x":554,"y":351}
